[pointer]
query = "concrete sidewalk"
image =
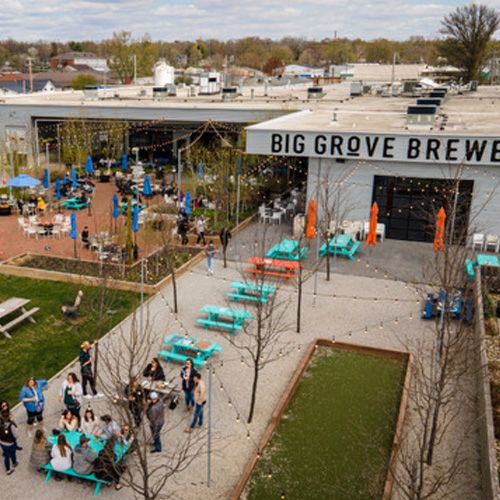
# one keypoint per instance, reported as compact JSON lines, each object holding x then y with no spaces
{"x":352,"y":307}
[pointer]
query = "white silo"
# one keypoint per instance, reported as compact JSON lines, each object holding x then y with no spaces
{"x":164,"y":74}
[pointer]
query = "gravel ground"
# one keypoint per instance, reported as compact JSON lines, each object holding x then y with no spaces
{"x":344,"y":308}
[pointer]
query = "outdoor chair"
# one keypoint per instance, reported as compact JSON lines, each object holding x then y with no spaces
{"x":478,"y":241}
{"x":21,"y":223}
{"x":57,"y":219}
{"x":31,"y":230}
{"x":264,"y":215}
{"x":70,"y":309}
{"x":491,"y":241}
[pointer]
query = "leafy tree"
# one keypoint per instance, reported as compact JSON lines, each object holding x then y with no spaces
{"x":380,"y":51}
{"x":121,"y":62}
{"x":82,"y":80}
{"x":469,"y":30}
{"x":273,"y":66}
{"x":75,"y":46}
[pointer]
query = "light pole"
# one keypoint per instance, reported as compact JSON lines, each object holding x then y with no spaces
{"x":141,"y":316}
{"x":179,"y":154}
{"x":209,"y":451}
{"x":11,"y":165}
{"x":48,"y":172}
{"x":238,"y":173}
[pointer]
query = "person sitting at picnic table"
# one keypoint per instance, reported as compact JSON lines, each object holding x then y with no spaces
{"x":110,"y":428}
{"x":135,"y":395}
{"x":68,"y":422}
{"x":198,"y":202}
{"x":40,"y":451}
{"x":83,"y":457}
{"x":83,"y":197}
{"x":89,"y":424}
{"x":32,"y":397}
{"x":40,"y":206}
{"x":61,"y":456}
{"x":154,"y":371}
{"x":106,"y":467}
{"x":20,"y":205}
{"x":85,"y":237}
{"x":126,"y":437}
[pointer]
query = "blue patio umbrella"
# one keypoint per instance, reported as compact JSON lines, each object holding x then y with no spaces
{"x":89,"y":166}
{"x":188,"y":202}
{"x":46,"y":180}
{"x":116,"y":212}
{"x":74,"y":182}
{"x":72,"y":233}
{"x":22,"y":180}
{"x":135,"y":218}
{"x":58,"y":189}
{"x":146,"y":190}
{"x":124,"y":162}
{"x":200,"y":170}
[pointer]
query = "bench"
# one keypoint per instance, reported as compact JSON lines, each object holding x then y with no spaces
{"x":353,"y":250}
{"x":71,"y":472}
{"x":170,"y":356}
{"x":15,"y":321}
{"x":237,"y":296}
{"x":221,"y":324}
{"x":272,"y":273}
{"x":429,"y":307}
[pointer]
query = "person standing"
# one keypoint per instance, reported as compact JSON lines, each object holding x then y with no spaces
{"x":200,"y":398}
{"x":182,"y":229}
{"x":225,"y":236}
{"x":86,"y":369}
{"x":200,"y":230}
{"x":6,"y":416}
{"x":8,"y":437}
{"x":187,"y":375}
{"x":210,"y":251}
{"x":32,"y":397}
{"x":71,"y":392}
{"x":156,"y":416}
{"x":135,"y":395}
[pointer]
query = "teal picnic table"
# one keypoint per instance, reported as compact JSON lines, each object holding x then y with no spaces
{"x":96,"y":444}
{"x":123,"y":206}
{"x":287,"y":250}
{"x":215,"y":313}
{"x":481,"y":260}
{"x":181,"y":345}
{"x":251,"y":291}
{"x":341,"y":244}
{"x":75,"y":204}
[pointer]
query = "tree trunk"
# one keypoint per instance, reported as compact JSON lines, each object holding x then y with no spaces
{"x":174,"y":287}
{"x":327,"y":259}
{"x":254,"y":389}
{"x":224,"y":254}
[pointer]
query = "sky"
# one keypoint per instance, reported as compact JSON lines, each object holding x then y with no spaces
{"x":169,"y":20}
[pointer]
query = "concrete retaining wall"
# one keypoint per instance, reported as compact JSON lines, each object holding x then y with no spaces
{"x":489,"y":466}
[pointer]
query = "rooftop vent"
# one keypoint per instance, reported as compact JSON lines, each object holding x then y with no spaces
{"x":315,"y":93}
{"x":229,"y":93}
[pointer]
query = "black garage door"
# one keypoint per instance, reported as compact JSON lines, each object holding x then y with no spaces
{"x":408,"y":206}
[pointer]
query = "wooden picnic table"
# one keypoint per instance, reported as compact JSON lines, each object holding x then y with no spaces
{"x":251,"y":291}
{"x":341,"y":244}
{"x":95,"y":443}
{"x":215,"y":313}
{"x":11,"y":306}
{"x":282,"y":268}
{"x":180,"y":344}
{"x":287,"y":250}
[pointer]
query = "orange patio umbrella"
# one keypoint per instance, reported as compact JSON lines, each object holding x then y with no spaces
{"x":438,"y":238}
{"x":372,"y":234}
{"x":311,"y":220}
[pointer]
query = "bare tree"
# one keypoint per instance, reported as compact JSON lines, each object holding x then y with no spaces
{"x":124,"y":357}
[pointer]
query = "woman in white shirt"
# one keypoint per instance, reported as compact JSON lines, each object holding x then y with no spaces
{"x":61,"y":454}
{"x":89,"y":424}
{"x":68,"y":421}
{"x":71,"y":394}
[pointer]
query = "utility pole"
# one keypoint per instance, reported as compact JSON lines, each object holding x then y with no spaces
{"x":238,"y":173}
{"x":31,"y":75}
{"x":48,"y":171}
{"x":135,"y":69}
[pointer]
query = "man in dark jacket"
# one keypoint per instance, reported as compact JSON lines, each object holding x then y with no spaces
{"x":156,"y":417}
{"x":83,"y":457}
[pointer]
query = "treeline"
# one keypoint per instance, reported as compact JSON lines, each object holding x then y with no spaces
{"x":252,"y":52}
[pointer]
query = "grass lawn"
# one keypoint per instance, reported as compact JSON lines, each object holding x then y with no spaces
{"x":335,"y":437}
{"x":43,"y":348}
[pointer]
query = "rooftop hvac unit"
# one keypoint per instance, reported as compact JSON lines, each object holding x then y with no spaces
{"x":421,"y":115}
{"x":91,"y":92}
{"x":429,"y":101}
{"x":164,"y":92}
{"x":356,"y":89}
{"x":230,"y":93}
{"x":315,"y":93}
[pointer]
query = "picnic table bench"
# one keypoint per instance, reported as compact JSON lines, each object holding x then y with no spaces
{"x":250,"y":291}
{"x":342,"y":245}
{"x":215,"y":313}
{"x":96,"y":444}
{"x":180,"y":344}
{"x":283,"y":268}
{"x":481,"y":260}
{"x":287,"y":250}
{"x":123,"y":207}
{"x":11,"y":306}
{"x":75,"y":203}
{"x":453,"y":305}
